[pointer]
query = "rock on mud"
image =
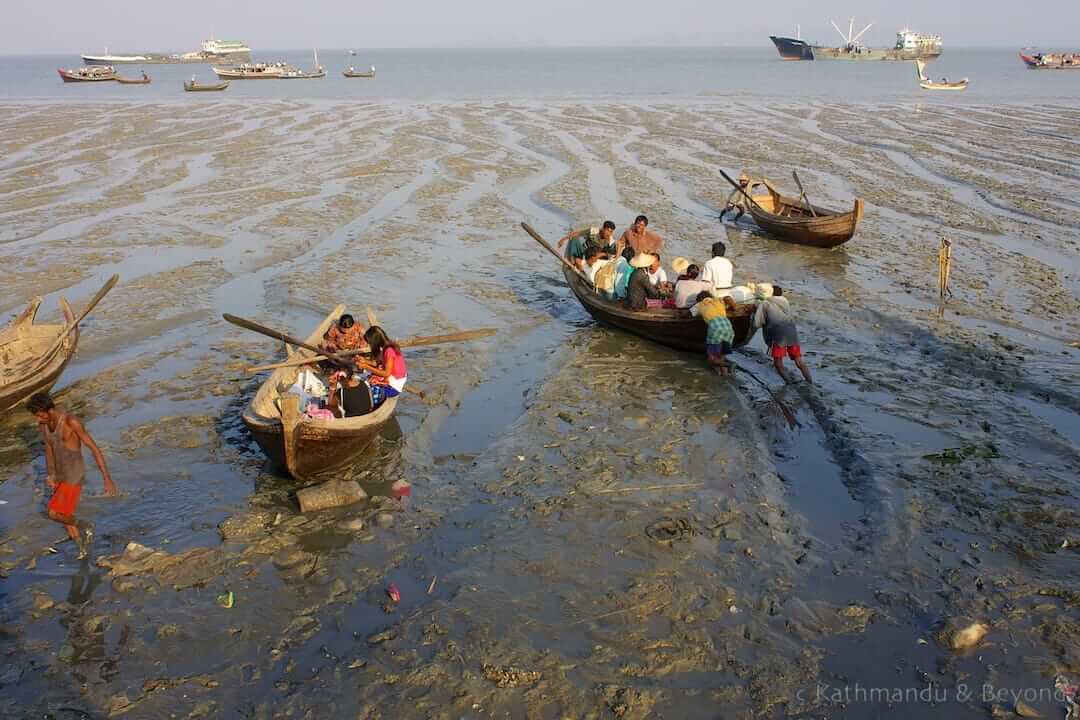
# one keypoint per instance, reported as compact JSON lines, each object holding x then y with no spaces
{"x":960,"y":635}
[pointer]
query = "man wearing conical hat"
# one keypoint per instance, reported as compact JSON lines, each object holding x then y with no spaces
{"x":737,"y":199}
{"x":640,"y":289}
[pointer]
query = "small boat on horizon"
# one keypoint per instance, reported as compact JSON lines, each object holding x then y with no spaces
{"x":269,"y":71}
{"x":193,"y":85}
{"x":91,"y":73}
{"x":927,"y":84}
{"x":352,"y":72}
{"x":1038,"y":60}
{"x":144,"y":80}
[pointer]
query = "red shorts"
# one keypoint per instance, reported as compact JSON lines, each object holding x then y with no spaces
{"x":65,"y":499}
{"x":779,"y":351}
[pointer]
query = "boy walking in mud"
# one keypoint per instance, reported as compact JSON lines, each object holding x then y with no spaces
{"x":64,"y":438}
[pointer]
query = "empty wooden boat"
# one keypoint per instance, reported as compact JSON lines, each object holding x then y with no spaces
{"x":354,"y":73}
{"x":303,"y":445}
{"x":797,"y":221}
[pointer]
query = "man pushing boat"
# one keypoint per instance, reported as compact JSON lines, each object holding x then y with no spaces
{"x":64,"y":438}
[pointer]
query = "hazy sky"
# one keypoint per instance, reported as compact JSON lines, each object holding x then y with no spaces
{"x":40,"y":26}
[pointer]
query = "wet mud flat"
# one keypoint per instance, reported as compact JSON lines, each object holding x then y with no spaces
{"x":598,"y":527}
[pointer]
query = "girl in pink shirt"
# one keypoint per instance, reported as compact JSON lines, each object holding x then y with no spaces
{"x":388,"y":374}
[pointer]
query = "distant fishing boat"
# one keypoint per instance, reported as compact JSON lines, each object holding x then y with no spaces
{"x":95,"y":73}
{"x":268,"y":71}
{"x":354,"y":73}
{"x":927,"y":84}
{"x":193,"y":85}
{"x":144,"y":80}
{"x":353,"y":53}
{"x":1037,"y":60}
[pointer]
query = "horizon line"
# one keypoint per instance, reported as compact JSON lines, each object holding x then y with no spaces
{"x":497,"y":47}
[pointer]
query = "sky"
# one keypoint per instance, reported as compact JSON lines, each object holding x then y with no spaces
{"x":61,"y":26}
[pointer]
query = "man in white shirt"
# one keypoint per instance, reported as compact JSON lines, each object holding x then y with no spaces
{"x":718,"y":271}
{"x":657,"y":274}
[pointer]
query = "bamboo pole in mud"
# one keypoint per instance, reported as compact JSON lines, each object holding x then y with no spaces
{"x":944,"y":268}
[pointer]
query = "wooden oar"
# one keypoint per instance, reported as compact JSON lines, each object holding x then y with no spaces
{"x":278,"y":335}
{"x":802,"y":193}
{"x":739,"y":187}
{"x":536,"y":236}
{"x":372,"y":319}
{"x":419,"y":341}
{"x":109,"y":285}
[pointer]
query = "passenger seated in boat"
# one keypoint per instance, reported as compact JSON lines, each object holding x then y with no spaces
{"x":583,"y":238}
{"x":349,"y":395}
{"x":688,"y":287}
{"x":657,"y":274}
{"x":719,"y":333}
{"x":594,"y":263}
{"x":640,"y":290}
{"x":774,"y":316}
{"x":679,"y":265}
{"x":345,"y":334}
{"x":388,"y":375}
{"x":718,"y":271}
{"x":623,"y":270}
{"x":639,"y":237}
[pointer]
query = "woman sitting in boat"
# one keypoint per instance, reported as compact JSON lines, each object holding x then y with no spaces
{"x":345,"y":334}
{"x":387,"y":377}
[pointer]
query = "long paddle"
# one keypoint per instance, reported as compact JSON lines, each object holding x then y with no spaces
{"x":109,"y":285}
{"x":536,"y":236}
{"x":278,"y":335}
{"x":408,"y":342}
{"x":802,"y":193}
{"x":738,"y":187}
{"x":788,"y":414}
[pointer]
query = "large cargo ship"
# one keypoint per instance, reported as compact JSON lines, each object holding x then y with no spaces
{"x":210,"y":51}
{"x":793,"y":48}
{"x":909,"y":46}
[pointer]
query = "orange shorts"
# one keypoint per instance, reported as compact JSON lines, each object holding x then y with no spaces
{"x":65,"y":499}
{"x":779,"y":351}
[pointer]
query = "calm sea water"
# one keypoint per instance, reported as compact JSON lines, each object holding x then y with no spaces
{"x":997,"y":76}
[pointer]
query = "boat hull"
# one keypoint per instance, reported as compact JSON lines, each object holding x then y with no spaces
{"x":823,"y":53}
{"x":673,"y":328}
{"x":792,"y":48}
{"x":46,"y":370}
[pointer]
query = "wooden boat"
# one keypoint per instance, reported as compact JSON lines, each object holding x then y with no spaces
{"x":31,"y":360}
{"x":668,"y":326}
{"x":306,"y":446}
{"x":791,"y":220}
{"x":354,"y":73}
{"x":927,"y":84}
{"x":193,"y":86}
{"x":1036,"y":60}
{"x":253,"y":71}
{"x":144,"y":80}
{"x":317,"y":71}
{"x":94,"y":73}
